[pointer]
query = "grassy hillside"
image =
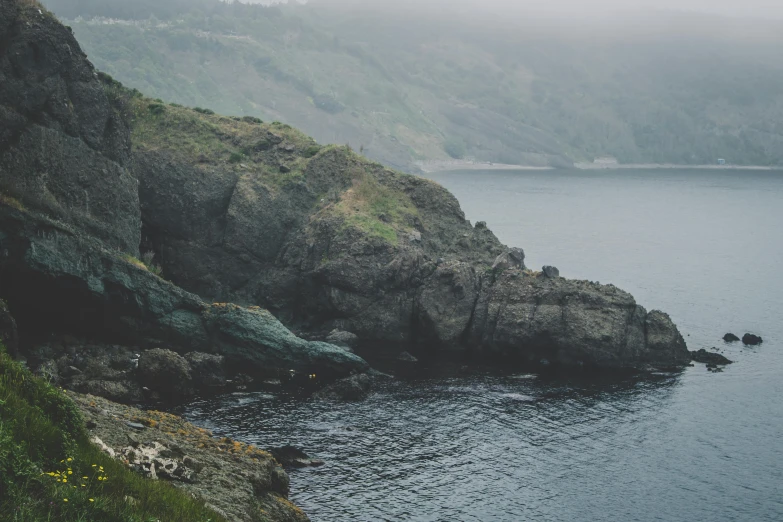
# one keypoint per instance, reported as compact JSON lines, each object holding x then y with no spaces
{"x":50,"y":471}
{"x":274,"y":154}
{"x":413,"y":86}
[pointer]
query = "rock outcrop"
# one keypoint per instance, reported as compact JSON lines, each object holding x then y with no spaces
{"x":293,"y":457}
{"x":512,"y":258}
{"x":573,"y":323}
{"x":321,"y":252}
{"x":347,"y":340}
{"x":166,"y":373}
{"x":730,"y":338}
{"x":70,"y":220}
{"x":711,"y":358}
{"x":751,"y":339}
{"x":319,"y":236}
{"x":236,"y":479}
{"x":209,"y":371}
{"x":64,"y":147}
{"x":63,"y":281}
{"x":353,"y":388}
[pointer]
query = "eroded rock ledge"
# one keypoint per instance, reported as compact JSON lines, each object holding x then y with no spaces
{"x":238,"y":480}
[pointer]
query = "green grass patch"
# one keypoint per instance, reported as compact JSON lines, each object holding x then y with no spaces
{"x":134,"y":261}
{"x":376,"y":209}
{"x":11,"y":202}
{"x":145,"y":264}
{"x":311,"y":151}
{"x":196,"y":133}
{"x":50,"y":471}
{"x":373,"y":227}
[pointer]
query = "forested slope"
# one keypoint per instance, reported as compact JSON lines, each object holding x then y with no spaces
{"x":410,"y":86}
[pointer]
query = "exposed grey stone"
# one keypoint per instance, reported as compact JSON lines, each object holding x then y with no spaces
{"x":167,"y":373}
{"x":751,"y":339}
{"x":703,"y":356}
{"x":551,"y":272}
{"x":512,"y":258}
{"x":342,"y":338}
{"x":225,"y":234}
{"x":406,"y":357}
{"x":353,"y":388}
{"x":208,"y":370}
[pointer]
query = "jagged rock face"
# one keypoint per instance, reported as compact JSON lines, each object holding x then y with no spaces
{"x":236,"y":479}
{"x":573,"y":323}
{"x":62,"y":281}
{"x":70,"y":216}
{"x":449,"y":284}
{"x":63,"y":146}
{"x":401,"y":265}
{"x":209,"y":372}
{"x":167,"y":373}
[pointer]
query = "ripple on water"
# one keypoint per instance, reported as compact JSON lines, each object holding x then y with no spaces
{"x":671,"y":447}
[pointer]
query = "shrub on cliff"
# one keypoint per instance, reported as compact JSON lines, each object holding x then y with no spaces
{"x":50,"y":471}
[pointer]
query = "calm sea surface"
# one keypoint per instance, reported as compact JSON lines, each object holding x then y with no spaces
{"x":704,"y":246}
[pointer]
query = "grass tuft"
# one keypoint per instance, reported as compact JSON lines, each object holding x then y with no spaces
{"x":375,"y":209}
{"x":145,"y":264}
{"x":50,"y":471}
{"x":11,"y":202}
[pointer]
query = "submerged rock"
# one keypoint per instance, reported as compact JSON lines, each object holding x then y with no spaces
{"x":711,"y":358}
{"x":751,"y":339}
{"x":353,"y":388}
{"x":291,"y":456}
{"x":730,"y":338}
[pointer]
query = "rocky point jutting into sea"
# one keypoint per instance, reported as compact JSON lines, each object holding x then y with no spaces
{"x":257,"y":229}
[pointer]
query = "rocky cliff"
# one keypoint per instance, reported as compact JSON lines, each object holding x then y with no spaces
{"x":70,"y":219}
{"x":94,"y":176}
{"x":259,"y":214}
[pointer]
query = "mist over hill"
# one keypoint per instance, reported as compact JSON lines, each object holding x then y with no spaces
{"x":408,"y":84}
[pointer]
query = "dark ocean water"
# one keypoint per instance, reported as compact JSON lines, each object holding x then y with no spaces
{"x":704,"y":246}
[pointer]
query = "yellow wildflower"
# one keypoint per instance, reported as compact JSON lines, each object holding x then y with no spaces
{"x":65,"y":500}
{"x":92,"y":500}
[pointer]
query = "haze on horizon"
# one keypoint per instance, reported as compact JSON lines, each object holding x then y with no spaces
{"x":734,"y":8}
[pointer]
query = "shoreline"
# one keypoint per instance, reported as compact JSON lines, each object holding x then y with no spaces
{"x":428,"y":167}
{"x":668,"y":166}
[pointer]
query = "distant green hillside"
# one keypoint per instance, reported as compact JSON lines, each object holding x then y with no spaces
{"x":418,"y":87}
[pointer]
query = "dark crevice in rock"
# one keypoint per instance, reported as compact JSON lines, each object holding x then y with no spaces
{"x":466,"y":333}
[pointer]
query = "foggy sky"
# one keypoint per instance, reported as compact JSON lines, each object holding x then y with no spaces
{"x":733,"y":8}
